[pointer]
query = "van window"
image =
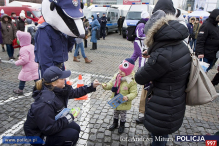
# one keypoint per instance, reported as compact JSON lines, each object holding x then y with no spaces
{"x":38,"y":14}
{"x":133,"y":16}
{"x":113,"y":15}
{"x":117,"y":16}
{"x":29,"y":14}
{"x":108,"y":15}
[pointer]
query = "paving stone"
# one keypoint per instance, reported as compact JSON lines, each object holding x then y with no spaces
{"x":115,"y":137}
{"x":100,"y":135}
{"x":85,"y":136}
{"x":108,"y":133}
{"x":107,"y":139}
{"x":92,"y":137}
{"x":115,"y":143}
{"x":90,"y":143}
{"x":98,"y":144}
{"x":101,"y":130}
{"x":93,"y":130}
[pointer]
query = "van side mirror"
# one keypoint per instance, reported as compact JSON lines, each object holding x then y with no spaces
{"x":108,"y":18}
{"x":31,"y":16}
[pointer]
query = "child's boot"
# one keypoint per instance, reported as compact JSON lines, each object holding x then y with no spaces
{"x":18,"y":91}
{"x":121,"y":127}
{"x":114,"y":125}
{"x":3,"y":49}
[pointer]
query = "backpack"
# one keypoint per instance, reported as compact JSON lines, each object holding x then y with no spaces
{"x":130,"y":32}
{"x":199,"y":89}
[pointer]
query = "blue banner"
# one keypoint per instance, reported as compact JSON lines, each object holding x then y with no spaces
{"x":22,"y":140}
{"x":195,"y":138}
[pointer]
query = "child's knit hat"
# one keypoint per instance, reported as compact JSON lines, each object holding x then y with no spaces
{"x":127,"y":66}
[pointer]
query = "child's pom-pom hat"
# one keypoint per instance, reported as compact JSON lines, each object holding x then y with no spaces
{"x":127,"y":66}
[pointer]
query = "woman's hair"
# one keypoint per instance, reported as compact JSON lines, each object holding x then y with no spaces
{"x":39,"y":84}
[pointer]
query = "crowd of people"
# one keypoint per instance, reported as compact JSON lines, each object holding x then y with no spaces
{"x":163,"y":68}
{"x":9,"y":26}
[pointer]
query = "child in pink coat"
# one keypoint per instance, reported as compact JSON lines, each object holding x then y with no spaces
{"x":29,"y":69}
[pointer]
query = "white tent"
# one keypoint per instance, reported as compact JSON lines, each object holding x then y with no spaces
{"x":202,"y":14}
{"x":20,"y":4}
{"x":199,"y":13}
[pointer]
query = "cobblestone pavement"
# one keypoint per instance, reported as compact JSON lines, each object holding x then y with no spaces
{"x":96,"y":115}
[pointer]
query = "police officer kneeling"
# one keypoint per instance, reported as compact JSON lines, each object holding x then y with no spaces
{"x":51,"y":95}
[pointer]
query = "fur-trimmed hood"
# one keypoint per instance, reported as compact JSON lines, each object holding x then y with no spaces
{"x":190,"y":19}
{"x":166,"y":29}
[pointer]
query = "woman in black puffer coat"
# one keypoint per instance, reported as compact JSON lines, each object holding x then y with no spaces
{"x":208,"y":39}
{"x":168,"y":69}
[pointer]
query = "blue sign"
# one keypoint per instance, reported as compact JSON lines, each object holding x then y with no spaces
{"x":195,"y":138}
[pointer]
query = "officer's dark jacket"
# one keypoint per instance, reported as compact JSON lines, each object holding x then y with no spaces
{"x":208,"y":37}
{"x":103,"y":21}
{"x":41,"y":116}
{"x":168,"y":68}
{"x":51,"y":46}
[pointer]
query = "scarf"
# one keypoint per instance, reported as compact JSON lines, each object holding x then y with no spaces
{"x":116,"y":86}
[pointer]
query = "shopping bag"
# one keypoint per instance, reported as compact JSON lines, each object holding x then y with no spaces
{"x":204,"y":65}
{"x":15,"y":44}
{"x":143,"y":100}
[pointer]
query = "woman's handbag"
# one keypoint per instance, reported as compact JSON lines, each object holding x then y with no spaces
{"x":199,"y":88}
{"x":86,"y":37}
{"x":15,"y":44}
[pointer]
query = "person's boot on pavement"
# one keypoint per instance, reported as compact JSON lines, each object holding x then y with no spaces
{"x":18,"y":91}
{"x":87,"y":60}
{"x":92,"y":47}
{"x":121,"y":127}
{"x":114,"y":125}
{"x":76,"y":59}
{"x":140,"y":120}
{"x":3,"y":49}
{"x":95,"y":46}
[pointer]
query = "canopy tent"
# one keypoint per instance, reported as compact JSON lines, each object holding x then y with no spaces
{"x":20,"y":4}
{"x":199,"y":14}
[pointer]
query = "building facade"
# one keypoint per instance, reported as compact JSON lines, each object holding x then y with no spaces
{"x":206,"y":5}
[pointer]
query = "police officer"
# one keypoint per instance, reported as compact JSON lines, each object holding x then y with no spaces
{"x":103,"y":26}
{"x":51,"y":96}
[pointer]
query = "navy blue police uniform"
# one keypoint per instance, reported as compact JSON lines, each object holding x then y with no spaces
{"x":103,"y":27}
{"x":50,"y":101}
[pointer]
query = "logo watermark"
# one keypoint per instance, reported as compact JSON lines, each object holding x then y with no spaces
{"x":22,"y":140}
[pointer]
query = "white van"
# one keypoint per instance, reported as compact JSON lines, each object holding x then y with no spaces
{"x":133,"y":16}
{"x":112,"y":15}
